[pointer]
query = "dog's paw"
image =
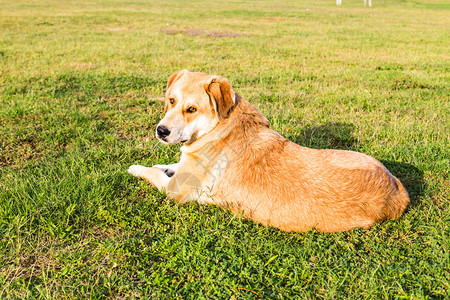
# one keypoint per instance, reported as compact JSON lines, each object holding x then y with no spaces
{"x":137,"y":170}
{"x":169,"y":172}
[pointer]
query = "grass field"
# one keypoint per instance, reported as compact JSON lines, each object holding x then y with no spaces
{"x":79,"y":82}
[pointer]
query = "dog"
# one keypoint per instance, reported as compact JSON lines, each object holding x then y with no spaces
{"x":232,"y":158}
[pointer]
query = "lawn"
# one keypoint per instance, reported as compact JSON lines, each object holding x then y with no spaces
{"x":80,"y":89}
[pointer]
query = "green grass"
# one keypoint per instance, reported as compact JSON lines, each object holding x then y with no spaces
{"x":78,"y":88}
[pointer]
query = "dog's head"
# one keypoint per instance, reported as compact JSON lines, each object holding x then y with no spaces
{"x":195,"y":103}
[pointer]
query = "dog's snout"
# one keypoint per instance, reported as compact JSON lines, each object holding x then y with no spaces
{"x":162,"y":131}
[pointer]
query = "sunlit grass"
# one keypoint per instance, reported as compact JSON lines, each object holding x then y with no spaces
{"x":79,"y":89}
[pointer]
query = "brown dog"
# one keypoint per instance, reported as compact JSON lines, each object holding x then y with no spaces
{"x":233,"y":159}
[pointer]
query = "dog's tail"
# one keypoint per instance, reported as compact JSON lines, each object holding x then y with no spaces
{"x":397,"y":202}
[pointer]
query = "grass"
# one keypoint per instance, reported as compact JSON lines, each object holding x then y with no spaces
{"x":78,"y":104}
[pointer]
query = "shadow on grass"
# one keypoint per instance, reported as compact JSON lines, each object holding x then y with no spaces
{"x":336,"y":135}
{"x":411,"y":178}
{"x":333,"y":135}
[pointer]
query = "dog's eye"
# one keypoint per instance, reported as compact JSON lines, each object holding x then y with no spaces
{"x":191,"y":109}
{"x":172,"y":101}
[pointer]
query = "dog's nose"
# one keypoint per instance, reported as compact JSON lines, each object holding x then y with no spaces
{"x":162,"y":131}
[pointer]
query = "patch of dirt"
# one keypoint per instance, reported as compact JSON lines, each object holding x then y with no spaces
{"x":171,"y":31}
{"x":25,"y":149}
{"x":405,"y":83}
{"x":29,"y":148}
{"x":201,"y":32}
{"x":115,"y":28}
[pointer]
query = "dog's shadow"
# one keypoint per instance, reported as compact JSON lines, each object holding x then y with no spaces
{"x":337,"y":135}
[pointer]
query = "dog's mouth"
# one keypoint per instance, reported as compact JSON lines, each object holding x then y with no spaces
{"x":173,"y":139}
{"x":166,"y":141}
{"x":192,"y":139}
{"x":163,"y":140}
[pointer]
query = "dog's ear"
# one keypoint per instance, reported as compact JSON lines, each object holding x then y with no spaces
{"x":221,"y":95}
{"x":174,"y":77}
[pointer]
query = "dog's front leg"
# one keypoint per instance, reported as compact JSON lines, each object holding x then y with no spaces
{"x":154,"y":175}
